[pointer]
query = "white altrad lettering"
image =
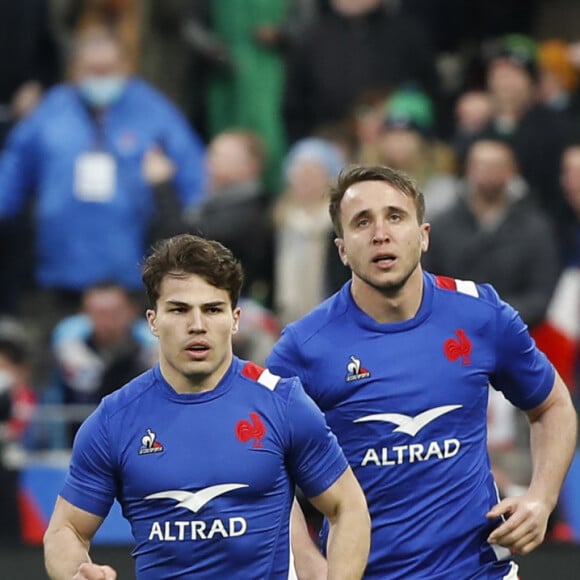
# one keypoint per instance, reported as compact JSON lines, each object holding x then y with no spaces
{"x":196,"y":530}
{"x":417,"y":452}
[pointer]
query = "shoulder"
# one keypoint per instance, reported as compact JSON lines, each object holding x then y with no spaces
{"x":263,"y":378}
{"x":454,"y":289}
{"x":59,"y":94}
{"x":126,"y":397}
{"x":277,"y":391}
{"x":477,"y":307}
{"x":139,"y":90}
{"x":139,"y":86}
{"x":59,"y":102}
{"x":320,"y":321}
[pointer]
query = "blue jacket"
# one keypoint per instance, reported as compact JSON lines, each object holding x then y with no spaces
{"x":78,"y":242}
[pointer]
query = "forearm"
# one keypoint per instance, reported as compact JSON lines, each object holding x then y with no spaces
{"x":553,"y":442}
{"x":348,"y":544}
{"x":309,"y":562}
{"x":64,"y":552}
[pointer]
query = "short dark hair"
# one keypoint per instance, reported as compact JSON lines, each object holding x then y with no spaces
{"x":397,"y":179}
{"x":189,"y":254}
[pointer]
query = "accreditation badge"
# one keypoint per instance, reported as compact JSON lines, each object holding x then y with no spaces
{"x":95,"y":177}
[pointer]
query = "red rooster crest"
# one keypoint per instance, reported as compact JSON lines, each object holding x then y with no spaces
{"x":460,"y":348}
{"x":253,"y":429}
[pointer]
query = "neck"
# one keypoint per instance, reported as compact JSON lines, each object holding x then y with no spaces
{"x":395,"y":304}
{"x":193,"y":383}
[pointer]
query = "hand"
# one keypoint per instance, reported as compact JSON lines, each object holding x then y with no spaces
{"x":525,"y":527}
{"x":95,"y":572}
{"x":157,"y":167}
{"x":26,"y":98}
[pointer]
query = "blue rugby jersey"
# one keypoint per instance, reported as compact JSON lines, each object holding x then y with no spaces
{"x":205,"y":480}
{"x":408,"y":402}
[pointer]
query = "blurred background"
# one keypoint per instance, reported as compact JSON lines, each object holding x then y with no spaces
{"x":126,"y":121}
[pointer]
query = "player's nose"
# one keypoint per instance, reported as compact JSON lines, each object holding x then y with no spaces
{"x":196,"y":321}
{"x":380,"y":233}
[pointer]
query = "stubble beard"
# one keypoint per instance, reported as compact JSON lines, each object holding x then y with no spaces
{"x":391,"y":288}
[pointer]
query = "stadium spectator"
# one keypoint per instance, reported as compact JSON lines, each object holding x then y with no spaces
{"x":354,"y":48}
{"x":559,"y":78}
{"x":17,"y":405}
{"x":99,"y":350}
{"x":559,"y":335}
{"x":569,"y":224}
{"x":125,"y":16}
{"x":306,"y":266}
{"x":15,"y":371}
{"x":495,"y":234}
{"x":366,"y":122}
{"x":536,"y":133}
{"x":247,"y":92}
{"x":407,"y":142}
{"x":237,"y":212}
{"x":154,"y":33}
{"x":81,"y":155}
{"x":473,"y":111}
{"x":30,"y":64}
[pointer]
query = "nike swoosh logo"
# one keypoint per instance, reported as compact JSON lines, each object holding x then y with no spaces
{"x":408,"y":424}
{"x":194,"y":501}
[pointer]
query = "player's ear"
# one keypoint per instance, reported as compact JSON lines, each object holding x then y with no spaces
{"x":339,"y":243}
{"x":236,"y":324}
{"x":424,"y":234}
{"x":152,"y":320}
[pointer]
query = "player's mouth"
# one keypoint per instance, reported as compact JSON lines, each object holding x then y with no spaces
{"x":198,"y":350}
{"x":384,"y":261}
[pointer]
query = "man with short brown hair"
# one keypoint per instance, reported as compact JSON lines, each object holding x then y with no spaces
{"x":203,"y":451}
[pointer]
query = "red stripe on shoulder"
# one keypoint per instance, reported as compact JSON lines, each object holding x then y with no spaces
{"x":252,"y":371}
{"x":446,"y":283}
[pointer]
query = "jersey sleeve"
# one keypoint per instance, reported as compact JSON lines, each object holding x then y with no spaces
{"x":523,"y":373}
{"x":90,"y":482}
{"x":315,"y":458}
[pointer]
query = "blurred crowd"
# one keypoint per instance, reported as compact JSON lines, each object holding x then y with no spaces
{"x":126,"y":121}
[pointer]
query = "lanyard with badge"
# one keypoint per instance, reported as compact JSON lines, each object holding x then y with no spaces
{"x":95,"y":177}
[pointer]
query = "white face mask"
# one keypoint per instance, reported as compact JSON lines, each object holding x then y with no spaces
{"x":102,"y":91}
